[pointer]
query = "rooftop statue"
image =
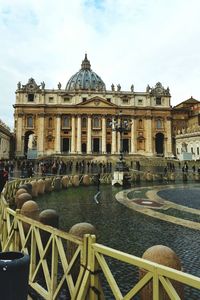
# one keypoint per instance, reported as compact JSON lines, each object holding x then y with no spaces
{"x":118,"y":87}
{"x":112,"y":87}
{"x":132,"y":88}
{"x":148,"y":88}
{"x":43,"y":85}
{"x":19,"y":85}
{"x":59,"y":85}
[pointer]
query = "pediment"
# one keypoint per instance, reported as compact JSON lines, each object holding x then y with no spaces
{"x":96,"y":102}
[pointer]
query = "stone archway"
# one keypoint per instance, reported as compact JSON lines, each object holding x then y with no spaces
{"x":30,"y":143}
{"x":159,"y":144}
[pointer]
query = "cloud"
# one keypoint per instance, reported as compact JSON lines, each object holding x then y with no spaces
{"x":136,"y":42}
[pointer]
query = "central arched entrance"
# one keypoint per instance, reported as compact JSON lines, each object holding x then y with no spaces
{"x":159,"y":143}
{"x":30,"y":145}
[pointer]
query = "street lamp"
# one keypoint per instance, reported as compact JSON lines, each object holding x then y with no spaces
{"x":121,"y":126}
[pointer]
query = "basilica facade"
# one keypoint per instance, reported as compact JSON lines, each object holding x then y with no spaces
{"x":85,"y":118}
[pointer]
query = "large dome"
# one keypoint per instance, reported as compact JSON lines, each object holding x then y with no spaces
{"x":85,"y":79}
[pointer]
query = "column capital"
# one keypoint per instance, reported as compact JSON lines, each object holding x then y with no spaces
{"x":148,"y":117}
{"x":58,"y":115}
{"x":20,"y":115}
{"x":41,"y":115}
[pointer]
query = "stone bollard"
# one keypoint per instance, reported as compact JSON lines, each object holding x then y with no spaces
{"x":165,"y":256}
{"x":57,"y":184}
{"x":34,"y":188}
{"x":172,"y":176}
{"x":78,"y":230}
{"x":75,"y":180}
{"x":41,"y":186}
{"x":48,"y":185}
{"x":49,"y":217}
{"x":86,"y":180}
{"x":19,"y":192}
{"x":149,"y":176}
{"x":22,"y":198}
{"x":65,"y":181}
{"x":27,"y":187}
{"x":30,"y":209}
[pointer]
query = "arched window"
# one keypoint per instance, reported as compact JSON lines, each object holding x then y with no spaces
{"x":96,"y":122}
{"x":159,"y":124}
{"x":108,"y":123}
{"x":84,"y":122}
{"x":30,"y":121}
{"x":66,"y":122}
{"x":50,"y":122}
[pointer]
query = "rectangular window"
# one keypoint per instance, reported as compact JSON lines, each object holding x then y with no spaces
{"x":30,"y":97}
{"x":192,"y":151}
{"x":125,"y":100}
{"x":66,"y":99}
{"x":51,"y":99}
{"x":197,"y":150}
{"x":84,"y":99}
{"x":108,"y":99}
{"x":177,"y":151}
{"x":139,"y":101}
{"x":158,"y":100}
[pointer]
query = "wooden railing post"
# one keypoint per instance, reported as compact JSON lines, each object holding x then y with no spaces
{"x":54,"y":267}
{"x":95,"y":291}
{"x":16,"y":232}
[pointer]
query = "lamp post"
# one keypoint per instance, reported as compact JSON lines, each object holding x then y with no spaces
{"x":120,"y":126}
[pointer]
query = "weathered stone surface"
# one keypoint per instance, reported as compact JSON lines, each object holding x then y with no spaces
{"x":49,"y":217}
{"x":86,"y":180}
{"x":41,"y":186}
{"x":165,"y":256}
{"x":22,"y":198}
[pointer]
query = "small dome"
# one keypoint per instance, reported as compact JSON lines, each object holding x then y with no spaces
{"x":85,"y":79}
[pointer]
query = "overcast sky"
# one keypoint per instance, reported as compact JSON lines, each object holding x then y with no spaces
{"x":129,"y":42}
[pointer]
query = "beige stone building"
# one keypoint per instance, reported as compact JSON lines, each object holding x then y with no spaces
{"x":186,"y":129}
{"x":82,"y":118}
{"x":5,"y":141}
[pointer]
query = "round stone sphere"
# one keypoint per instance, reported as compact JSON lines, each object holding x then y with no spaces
{"x":65,"y":181}
{"x":22,"y":198}
{"x":75,"y":180}
{"x":49,"y":217}
{"x":86,"y":180}
{"x":34,"y":188}
{"x":19,"y":192}
{"x":163,"y":255}
{"x":80,"y":229}
{"x":30,"y":209}
{"x":48,"y":185}
{"x":27,"y":187}
{"x":41,"y":186}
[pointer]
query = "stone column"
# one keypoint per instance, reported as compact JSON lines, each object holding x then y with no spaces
{"x":89,"y":135}
{"x":73,"y":137}
{"x":168,"y":151}
{"x":133,"y":136}
{"x":104,"y":135}
{"x":78,"y":148}
{"x":19,"y":130}
{"x":118,"y":142}
{"x":40,"y":134}
{"x":114,"y":136}
{"x":58,"y":134}
{"x":149,"y":144}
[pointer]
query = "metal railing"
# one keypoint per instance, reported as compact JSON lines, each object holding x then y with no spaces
{"x":62,"y":263}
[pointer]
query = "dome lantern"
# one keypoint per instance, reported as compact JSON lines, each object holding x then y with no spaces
{"x":85,"y":79}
